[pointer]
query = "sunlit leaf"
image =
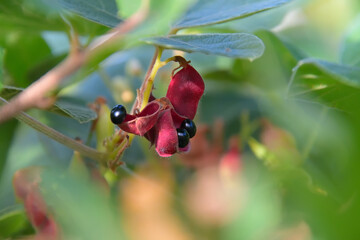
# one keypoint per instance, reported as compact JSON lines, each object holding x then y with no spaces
{"x":100,"y":11}
{"x":16,"y":16}
{"x":12,"y":220}
{"x":24,"y":52}
{"x":27,"y":16}
{"x":207,"y":12}
{"x":333,"y":84}
{"x":238,"y":45}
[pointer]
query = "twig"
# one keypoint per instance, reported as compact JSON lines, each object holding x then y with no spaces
{"x":36,"y":95}
{"x":59,"y":137}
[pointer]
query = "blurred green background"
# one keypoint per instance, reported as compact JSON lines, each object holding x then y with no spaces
{"x":294,"y":111}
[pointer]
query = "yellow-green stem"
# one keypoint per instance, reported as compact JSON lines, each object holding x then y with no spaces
{"x":149,"y":82}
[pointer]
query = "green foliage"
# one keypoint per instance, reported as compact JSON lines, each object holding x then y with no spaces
{"x":1,"y":68}
{"x":211,"y":12}
{"x":27,"y":17}
{"x":73,"y":198}
{"x":27,"y":51}
{"x":7,"y":135}
{"x":103,"y":12}
{"x":12,"y":221}
{"x":292,"y":112}
{"x":277,"y":59}
{"x":69,"y":107}
{"x":239,"y":45}
{"x":17,"y":16}
{"x":334,"y":84}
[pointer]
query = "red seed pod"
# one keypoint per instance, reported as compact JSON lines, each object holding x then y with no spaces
{"x":159,"y":120}
{"x":185,"y":90}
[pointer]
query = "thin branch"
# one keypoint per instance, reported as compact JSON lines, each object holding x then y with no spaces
{"x":59,"y":137}
{"x":147,"y":87}
{"x":36,"y":95}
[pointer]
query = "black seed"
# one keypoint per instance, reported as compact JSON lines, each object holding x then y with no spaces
{"x":118,"y":114}
{"x":190,"y":127}
{"x":183,"y":137}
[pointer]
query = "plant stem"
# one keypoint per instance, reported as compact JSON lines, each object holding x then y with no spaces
{"x":59,"y":137}
{"x":173,"y":31}
{"x":148,"y":83}
{"x":147,"y":86}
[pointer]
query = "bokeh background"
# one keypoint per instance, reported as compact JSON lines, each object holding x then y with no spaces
{"x":276,"y":154}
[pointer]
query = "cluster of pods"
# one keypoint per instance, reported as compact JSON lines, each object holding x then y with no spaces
{"x":167,"y":122}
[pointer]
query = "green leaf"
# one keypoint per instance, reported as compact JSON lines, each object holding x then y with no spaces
{"x":276,"y":64}
{"x":27,"y":149}
{"x":100,"y":11}
{"x":235,"y":102}
{"x":64,"y":106}
{"x":8,"y":92}
{"x":350,"y":50}
{"x":260,"y":21}
{"x":22,"y":53}
{"x":336,"y":85}
{"x":70,"y":108}
{"x":12,"y":220}
{"x":1,"y":68}
{"x":237,"y":45}
{"x":64,"y":193}
{"x":207,"y":12}
{"x":7,"y":130}
{"x":17,"y":15}
{"x":27,"y":16}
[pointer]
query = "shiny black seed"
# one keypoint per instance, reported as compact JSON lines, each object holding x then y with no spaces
{"x":190,"y":127}
{"x":183,"y":137}
{"x":118,"y":114}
